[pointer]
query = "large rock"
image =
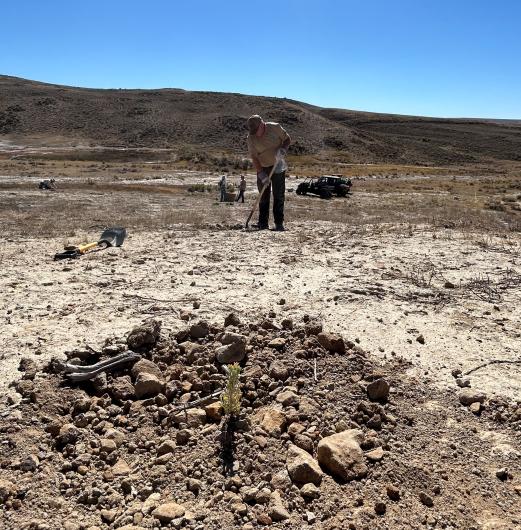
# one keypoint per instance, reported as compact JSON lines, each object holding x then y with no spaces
{"x":302,"y":467}
{"x":233,"y":349}
{"x":331,"y":342}
{"x":144,"y":366}
{"x":469,"y":396}
{"x":145,"y":336}
{"x":341,"y":454}
{"x":148,"y":385}
{"x":378,"y":390}
{"x":168,"y":512}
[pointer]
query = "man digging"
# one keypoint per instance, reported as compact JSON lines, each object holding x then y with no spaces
{"x":268,"y":143}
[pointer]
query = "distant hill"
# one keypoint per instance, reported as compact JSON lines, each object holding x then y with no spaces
{"x":211,"y":120}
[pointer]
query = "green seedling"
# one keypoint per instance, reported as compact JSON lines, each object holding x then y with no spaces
{"x":231,"y":397}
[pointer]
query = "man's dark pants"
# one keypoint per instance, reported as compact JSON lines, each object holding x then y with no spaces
{"x":278,"y":182}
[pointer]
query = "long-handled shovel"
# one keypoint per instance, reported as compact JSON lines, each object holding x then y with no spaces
{"x":261,"y":193}
{"x":111,"y":237}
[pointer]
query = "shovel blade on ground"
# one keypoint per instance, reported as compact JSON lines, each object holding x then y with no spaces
{"x":113,"y":237}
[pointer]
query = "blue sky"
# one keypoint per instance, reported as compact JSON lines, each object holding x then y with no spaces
{"x":433,"y":58}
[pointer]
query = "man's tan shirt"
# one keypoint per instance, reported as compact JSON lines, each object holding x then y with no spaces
{"x":265,"y":148}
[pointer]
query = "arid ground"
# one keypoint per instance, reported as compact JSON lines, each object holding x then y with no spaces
{"x":418,"y":270}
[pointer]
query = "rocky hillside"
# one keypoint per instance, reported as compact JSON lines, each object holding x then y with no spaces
{"x":175,"y":118}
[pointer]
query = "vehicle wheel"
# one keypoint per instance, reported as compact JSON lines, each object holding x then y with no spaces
{"x":299,"y":192}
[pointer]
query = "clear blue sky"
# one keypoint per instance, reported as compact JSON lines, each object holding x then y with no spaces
{"x":436,"y":58}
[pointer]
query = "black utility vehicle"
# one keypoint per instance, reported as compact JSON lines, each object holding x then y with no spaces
{"x":325,"y":187}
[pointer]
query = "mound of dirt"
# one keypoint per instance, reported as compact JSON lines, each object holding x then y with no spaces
{"x":325,"y":439}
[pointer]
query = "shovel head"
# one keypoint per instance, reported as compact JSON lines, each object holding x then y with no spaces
{"x":113,"y":237}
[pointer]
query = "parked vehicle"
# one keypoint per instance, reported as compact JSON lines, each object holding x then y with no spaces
{"x":325,"y":187}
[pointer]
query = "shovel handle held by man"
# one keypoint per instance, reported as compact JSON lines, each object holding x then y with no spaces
{"x":261,"y":193}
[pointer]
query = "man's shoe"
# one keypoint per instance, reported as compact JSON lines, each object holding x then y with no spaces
{"x":279,"y":228}
{"x":261,"y":227}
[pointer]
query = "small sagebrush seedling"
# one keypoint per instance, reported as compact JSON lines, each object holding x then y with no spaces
{"x":231,"y":397}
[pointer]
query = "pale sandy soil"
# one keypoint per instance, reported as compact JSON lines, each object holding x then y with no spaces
{"x":362,"y":283}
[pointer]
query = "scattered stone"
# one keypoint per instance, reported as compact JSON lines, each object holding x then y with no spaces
{"x":302,"y":467}
{"x":375,"y":455}
{"x":108,"y":516}
{"x":144,"y":366}
{"x":279,"y":371}
{"x":232,"y":320}
{"x":420,"y":339}
{"x":468,"y":396}
{"x":378,"y":390}
{"x":30,"y":463}
{"x":264,"y":519}
{"x":277,"y":511}
{"x":449,"y":285}
{"x":122,"y":388}
{"x":304,"y":442}
{"x":331,"y":342}
{"x":168,"y":512}
{"x":214,"y":411}
{"x":192,"y":417}
{"x":288,"y":399}
{"x":278,"y":343}
{"x":183,"y":436}
{"x":192,"y":350}
{"x":313,"y":327}
{"x":426,"y":499}
{"x":287,"y":323}
{"x":145,"y":336}
{"x":380,"y":508}
{"x":107,"y":446}
{"x":117,"y":436}
{"x":7,"y":489}
{"x":475,"y":407}
{"x":502,"y":474}
{"x":233,"y":349}
{"x":272,"y":421}
{"x":121,"y":468}
{"x":168,"y":446}
{"x":463,"y":382}
{"x":341,"y":454}
{"x":309,"y":491}
{"x":199,"y":330}
{"x":281,"y":480}
{"x":68,"y":434}
{"x":148,"y":385}
{"x":393,"y":492}
{"x":296,"y":428}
